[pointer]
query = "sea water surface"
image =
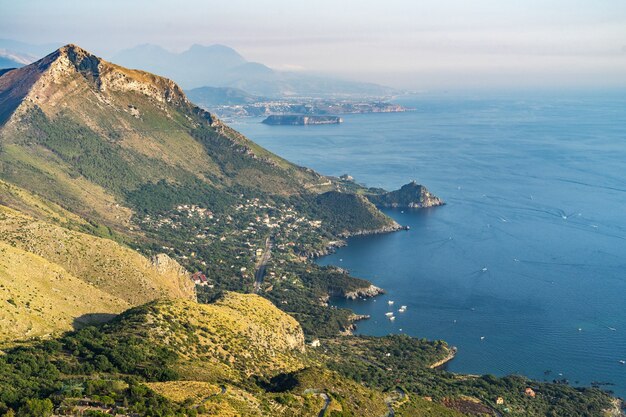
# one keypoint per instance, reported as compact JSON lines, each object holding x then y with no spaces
{"x":524,"y":269}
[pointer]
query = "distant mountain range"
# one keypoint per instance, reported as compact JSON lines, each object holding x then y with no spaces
{"x":216,"y":66}
{"x":221,"y":66}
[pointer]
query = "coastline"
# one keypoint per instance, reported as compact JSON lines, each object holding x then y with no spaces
{"x":368,"y":232}
{"x":459,"y":167}
{"x":332,"y":246}
{"x":451,"y":355}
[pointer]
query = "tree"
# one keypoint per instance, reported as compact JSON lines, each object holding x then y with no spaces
{"x":36,"y":408}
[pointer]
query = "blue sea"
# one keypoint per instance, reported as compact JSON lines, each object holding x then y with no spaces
{"x":524,"y":268}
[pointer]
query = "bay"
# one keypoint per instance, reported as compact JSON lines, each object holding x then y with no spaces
{"x":524,"y":268}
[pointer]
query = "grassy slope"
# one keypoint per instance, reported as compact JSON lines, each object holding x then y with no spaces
{"x":243,"y":333}
{"x":65,"y":274}
{"x":239,"y":356}
{"x":242,"y":356}
{"x":38,"y":297}
{"x":111,"y":267}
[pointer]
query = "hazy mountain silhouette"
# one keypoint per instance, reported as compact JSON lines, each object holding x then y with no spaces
{"x":222,"y":66}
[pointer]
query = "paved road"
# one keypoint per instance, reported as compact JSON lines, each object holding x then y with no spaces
{"x":259,"y":273}
{"x":326,"y":398}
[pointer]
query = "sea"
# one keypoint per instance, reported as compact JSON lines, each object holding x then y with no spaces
{"x":524,"y":268}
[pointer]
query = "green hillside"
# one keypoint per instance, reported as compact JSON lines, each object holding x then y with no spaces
{"x":123,"y":154}
{"x":52,"y":278}
{"x":114,"y":189}
{"x":241,"y":356}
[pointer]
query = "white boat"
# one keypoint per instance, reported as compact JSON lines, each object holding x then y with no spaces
{"x":482,"y":337}
{"x":389,"y":314}
{"x":403,"y":307}
{"x":401,"y":310}
{"x":390,"y":302}
{"x":623,"y":362}
{"x":392,"y":318}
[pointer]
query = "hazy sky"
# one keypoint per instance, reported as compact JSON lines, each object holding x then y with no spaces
{"x":413,"y":44}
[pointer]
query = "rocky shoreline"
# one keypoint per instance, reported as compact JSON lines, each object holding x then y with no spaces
{"x":349,"y":331}
{"x":411,"y":195}
{"x":365,"y":292}
{"x":368,"y":292}
{"x":387,"y":229}
{"x":451,"y":355}
{"x":332,"y":247}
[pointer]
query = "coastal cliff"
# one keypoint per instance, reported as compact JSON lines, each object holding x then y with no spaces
{"x":366,"y":232}
{"x":411,"y":195}
{"x":451,"y":354}
{"x":368,"y":292}
{"x":365,"y":292}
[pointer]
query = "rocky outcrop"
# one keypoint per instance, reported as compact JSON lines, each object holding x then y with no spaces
{"x":164,"y":264}
{"x":110,"y":77}
{"x":35,"y":83}
{"x":451,"y":354}
{"x":181,"y":283}
{"x":331,"y":247}
{"x":349,"y":330}
{"x":411,"y":195}
{"x":387,"y":229}
{"x":367,"y":292}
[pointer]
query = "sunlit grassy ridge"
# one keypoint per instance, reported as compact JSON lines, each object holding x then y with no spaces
{"x":53,"y":278}
{"x":242,"y":332}
{"x":39,"y":298}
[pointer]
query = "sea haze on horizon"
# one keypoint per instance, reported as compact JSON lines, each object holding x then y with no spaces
{"x":404,"y":44}
{"x":529,"y":254}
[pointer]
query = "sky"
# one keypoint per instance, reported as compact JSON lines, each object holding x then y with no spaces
{"x":411,"y":44}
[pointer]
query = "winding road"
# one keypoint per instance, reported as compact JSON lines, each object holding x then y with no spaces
{"x":261,"y":265}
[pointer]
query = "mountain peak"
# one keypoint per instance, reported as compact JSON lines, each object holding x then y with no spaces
{"x":42,"y":82}
{"x":74,"y":52}
{"x":84,"y":61}
{"x":72,"y":48}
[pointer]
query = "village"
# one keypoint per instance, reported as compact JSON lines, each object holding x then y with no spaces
{"x":226,"y":247}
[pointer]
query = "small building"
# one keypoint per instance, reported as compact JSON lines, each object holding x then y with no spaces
{"x":500,"y":401}
{"x":199,"y":278}
{"x":530,"y":392}
{"x":315,"y":343}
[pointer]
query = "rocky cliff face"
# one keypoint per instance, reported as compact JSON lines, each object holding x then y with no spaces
{"x":38,"y":83}
{"x":368,"y":292}
{"x":412,"y":195}
{"x":105,"y":76}
{"x":366,"y":232}
{"x":180,"y":278}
